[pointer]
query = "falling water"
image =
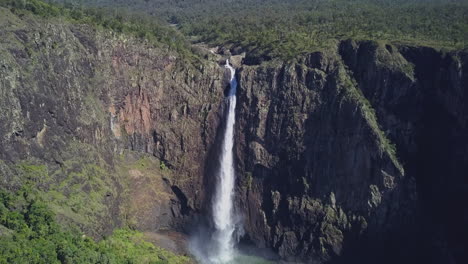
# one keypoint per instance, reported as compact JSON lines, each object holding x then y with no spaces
{"x":215,"y":244}
{"x":223,"y":218}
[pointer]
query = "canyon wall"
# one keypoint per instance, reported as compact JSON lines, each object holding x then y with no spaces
{"x":111,"y":128}
{"x":356,"y":154}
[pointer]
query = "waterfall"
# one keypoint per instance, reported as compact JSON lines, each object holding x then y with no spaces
{"x":215,"y":245}
{"x":223,"y":217}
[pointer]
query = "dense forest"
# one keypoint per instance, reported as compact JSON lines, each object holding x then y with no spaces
{"x":273,"y":28}
{"x":286,"y":28}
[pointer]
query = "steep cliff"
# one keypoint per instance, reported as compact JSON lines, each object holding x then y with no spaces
{"x":325,"y":177}
{"x":315,"y":160}
{"x":426,"y":117}
{"x":357,"y":152}
{"x":81,"y":107}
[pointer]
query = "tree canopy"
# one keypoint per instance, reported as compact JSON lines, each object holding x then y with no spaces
{"x":287,"y":28}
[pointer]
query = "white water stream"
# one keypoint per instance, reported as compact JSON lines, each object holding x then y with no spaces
{"x":223,"y":200}
{"x":216,"y":244}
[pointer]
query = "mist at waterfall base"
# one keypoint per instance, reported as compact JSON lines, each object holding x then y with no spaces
{"x":215,"y":243}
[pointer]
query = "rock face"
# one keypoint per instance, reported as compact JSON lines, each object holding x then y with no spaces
{"x":73,"y":97}
{"x":320,"y":179}
{"x":427,"y":119}
{"x":317,"y":168}
{"x":356,"y":153}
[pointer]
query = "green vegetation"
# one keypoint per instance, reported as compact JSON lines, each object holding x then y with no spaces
{"x":139,"y":25}
{"x":141,"y":161}
{"x":268,"y":28}
{"x":80,"y":192}
{"x":130,"y":247}
{"x":36,"y":174}
{"x":278,"y":28}
{"x":43,"y":221}
{"x":355,"y":94}
{"x":248,"y":180}
{"x":34,"y":237}
{"x":162,"y":165}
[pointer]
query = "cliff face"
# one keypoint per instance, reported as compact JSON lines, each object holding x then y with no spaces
{"x":83,"y":106}
{"x":427,"y":119}
{"x":356,"y":152}
{"x":314,"y":160}
{"x":325,"y":177}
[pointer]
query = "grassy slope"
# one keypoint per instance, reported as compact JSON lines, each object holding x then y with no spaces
{"x":30,"y":234}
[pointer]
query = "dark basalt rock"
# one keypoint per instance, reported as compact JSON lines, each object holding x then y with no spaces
{"x":318,"y":184}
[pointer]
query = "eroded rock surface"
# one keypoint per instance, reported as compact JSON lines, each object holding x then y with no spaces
{"x":74,"y":97}
{"x":325,"y":177}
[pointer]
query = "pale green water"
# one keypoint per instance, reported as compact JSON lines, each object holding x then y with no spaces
{"x":244,"y":259}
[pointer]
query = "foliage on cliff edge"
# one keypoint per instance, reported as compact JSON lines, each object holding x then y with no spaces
{"x":30,"y":234}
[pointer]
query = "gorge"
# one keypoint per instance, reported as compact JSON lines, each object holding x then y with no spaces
{"x":356,"y":153}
